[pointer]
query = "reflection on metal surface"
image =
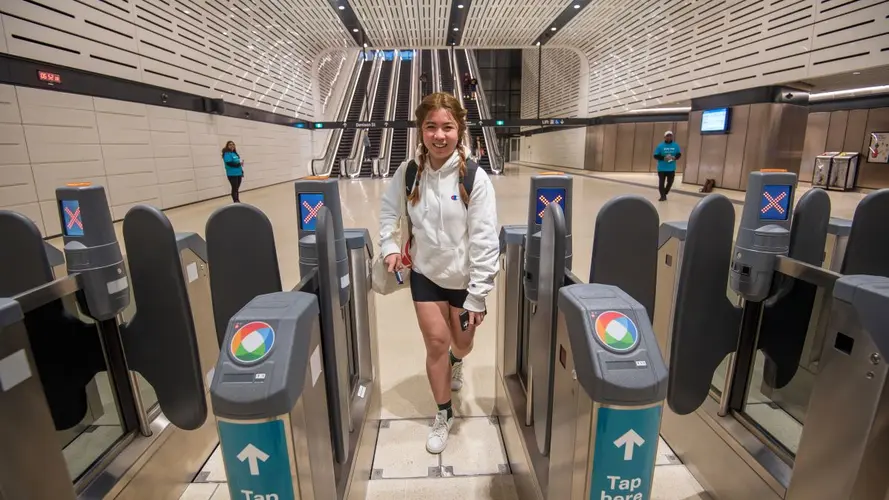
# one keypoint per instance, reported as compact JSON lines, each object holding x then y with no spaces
{"x":44,"y":294}
{"x":723,"y":455}
{"x":809,"y":273}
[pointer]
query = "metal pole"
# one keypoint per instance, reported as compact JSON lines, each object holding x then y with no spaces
{"x":539,"y":76}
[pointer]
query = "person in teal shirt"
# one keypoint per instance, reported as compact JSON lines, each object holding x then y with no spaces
{"x":234,"y":168}
{"x":666,"y":154}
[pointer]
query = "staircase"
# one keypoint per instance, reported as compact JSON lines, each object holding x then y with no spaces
{"x":444,"y":69}
{"x":398,"y":148}
{"x":348,"y":136}
{"x":426,"y":67}
{"x":378,"y":114}
{"x":473,"y":114}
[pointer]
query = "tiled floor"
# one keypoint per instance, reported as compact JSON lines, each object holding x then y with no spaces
{"x":472,"y":466}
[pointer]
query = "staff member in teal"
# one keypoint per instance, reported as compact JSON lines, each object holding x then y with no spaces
{"x":234,"y":168}
{"x":666,"y":154}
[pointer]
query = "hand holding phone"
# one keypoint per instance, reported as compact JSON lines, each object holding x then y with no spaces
{"x":464,"y":320}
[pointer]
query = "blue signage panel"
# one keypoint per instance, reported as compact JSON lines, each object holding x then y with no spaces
{"x":309,"y":205}
{"x":775,"y":203}
{"x":625,"y":452}
{"x":72,"y":218}
{"x":257,"y":464}
{"x":545,"y":196}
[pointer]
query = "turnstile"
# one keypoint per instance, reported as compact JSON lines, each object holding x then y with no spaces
{"x":347,"y":355}
{"x":526,"y":329}
{"x":69,"y":351}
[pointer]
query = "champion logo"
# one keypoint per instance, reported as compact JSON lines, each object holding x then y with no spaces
{"x":454,"y":197}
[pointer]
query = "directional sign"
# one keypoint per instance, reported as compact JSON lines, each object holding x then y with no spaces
{"x":625,"y":452}
{"x":256,"y":458}
{"x":775,"y":203}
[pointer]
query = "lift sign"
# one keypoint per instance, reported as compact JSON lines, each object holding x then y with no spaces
{"x":625,"y":452}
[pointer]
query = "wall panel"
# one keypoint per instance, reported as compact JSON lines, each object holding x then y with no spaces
{"x":623,"y":160}
{"x":642,"y":150}
{"x":609,"y":148}
{"x":693,"y":150}
{"x":734,"y":153}
{"x":814,"y":145}
{"x":141,"y":154}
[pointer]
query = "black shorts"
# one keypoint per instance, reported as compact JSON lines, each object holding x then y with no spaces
{"x":424,"y":290}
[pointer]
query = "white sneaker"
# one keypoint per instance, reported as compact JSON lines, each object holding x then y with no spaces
{"x":457,"y":376}
{"x":438,"y":437}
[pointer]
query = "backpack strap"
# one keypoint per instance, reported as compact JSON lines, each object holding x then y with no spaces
{"x":468,"y":180}
{"x":410,"y":177}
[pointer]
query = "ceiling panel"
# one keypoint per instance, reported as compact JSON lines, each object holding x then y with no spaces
{"x":509,"y":23}
{"x":404,"y":23}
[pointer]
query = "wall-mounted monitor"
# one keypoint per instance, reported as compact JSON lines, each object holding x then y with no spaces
{"x":716,"y":121}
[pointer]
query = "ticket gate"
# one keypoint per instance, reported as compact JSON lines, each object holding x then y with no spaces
{"x":240,"y":231}
{"x":527,"y":362}
{"x":65,"y":352}
{"x":737,"y":378}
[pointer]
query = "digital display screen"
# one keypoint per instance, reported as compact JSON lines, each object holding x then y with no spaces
{"x":72,"y":218}
{"x":46,"y":76}
{"x":775,"y":203}
{"x":309,"y":205}
{"x":545,"y":196}
{"x":715,"y":121}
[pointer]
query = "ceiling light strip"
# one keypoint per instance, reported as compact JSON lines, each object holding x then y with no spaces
{"x":573,"y":8}
{"x":350,"y":20}
{"x":457,"y":21}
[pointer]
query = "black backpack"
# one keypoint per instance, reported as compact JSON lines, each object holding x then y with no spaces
{"x":410,"y":177}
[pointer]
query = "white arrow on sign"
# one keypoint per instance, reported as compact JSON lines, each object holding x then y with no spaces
{"x":253,"y":456}
{"x":629,"y":441}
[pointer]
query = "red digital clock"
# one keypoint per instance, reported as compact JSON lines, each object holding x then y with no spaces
{"x":51,"y":78}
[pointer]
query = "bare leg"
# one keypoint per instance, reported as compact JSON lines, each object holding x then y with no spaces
{"x":433,"y":320}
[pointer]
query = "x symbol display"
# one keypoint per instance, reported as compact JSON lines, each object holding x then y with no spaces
{"x":546,"y":203}
{"x":773,"y":202}
{"x":313,"y":211}
{"x":73,"y":218}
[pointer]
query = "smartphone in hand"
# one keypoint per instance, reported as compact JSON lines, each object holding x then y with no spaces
{"x":464,"y":320}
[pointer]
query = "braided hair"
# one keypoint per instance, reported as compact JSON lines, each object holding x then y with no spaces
{"x":432,"y":102}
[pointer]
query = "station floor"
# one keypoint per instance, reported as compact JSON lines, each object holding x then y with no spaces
{"x":474,"y":465}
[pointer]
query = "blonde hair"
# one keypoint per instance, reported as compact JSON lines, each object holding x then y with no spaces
{"x":433,"y":102}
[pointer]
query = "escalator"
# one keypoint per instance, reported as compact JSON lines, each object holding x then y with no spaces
{"x":473,"y":114}
{"x":445,"y":72}
{"x":378,"y":114}
{"x":348,"y":135}
{"x":426,"y":67}
{"x":398,"y":148}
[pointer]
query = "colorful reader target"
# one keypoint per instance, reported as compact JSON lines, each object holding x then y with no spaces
{"x":252,"y":342}
{"x":616,"y":332}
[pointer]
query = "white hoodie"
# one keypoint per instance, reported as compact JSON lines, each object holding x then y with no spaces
{"x":455,"y":247}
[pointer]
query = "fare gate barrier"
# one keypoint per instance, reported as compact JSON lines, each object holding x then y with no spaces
{"x":526,"y":331}
{"x":240,"y":231}
{"x":270,"y":401}
{"x":775,"y":267}
{"x":159,"y":342}
{"x":845,"y":431}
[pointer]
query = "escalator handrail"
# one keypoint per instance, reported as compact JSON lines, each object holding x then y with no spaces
{"x":415,"y":97}
{"x":458,"y":93}
{"x":356,"y":153}
{"x":322,"y":166}
{"x":436,"y":71}
{"x":389,"y":115}
{"x":494,"y":156}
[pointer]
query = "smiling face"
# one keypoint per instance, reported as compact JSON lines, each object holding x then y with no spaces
{"x":440,"y":135}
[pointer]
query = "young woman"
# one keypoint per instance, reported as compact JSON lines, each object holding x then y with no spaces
{"x":454,"y":249}
{"x":234,"y":168}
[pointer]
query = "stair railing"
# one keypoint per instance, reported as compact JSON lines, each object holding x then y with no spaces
{"x":386,"y":137}
{"x":491,"y":143}
{"x":351,"y":166}
{"x":322,"y":166}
